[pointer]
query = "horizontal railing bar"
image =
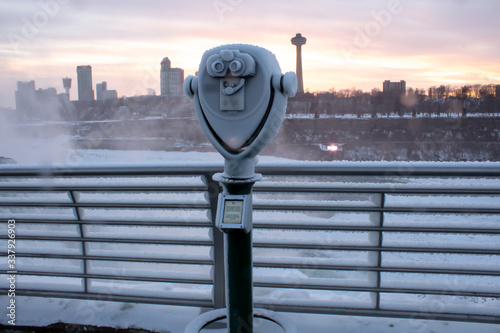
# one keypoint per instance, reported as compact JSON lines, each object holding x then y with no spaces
{"x":371,"y":169}
{"x":266,"y":207}
{"x":375,"y":289}
{"x":119,"y":171}
{"x":376,"y":269}
{"x":264,"y":245}
{"x":113,"y":240}
{"x":380,"y":313}
{"x":270,"y":226}
{"x":261,"y":264}
{"x":125,"y":223}
{"x":102,"y":188}
{"x":111,"y":277}
{"x":258,"y":225}
{"x":268,"y":284}
{"x":261,"y":245}
{"x":378,"y":229}
{"x":374,"y":248}
{"x":301,"y":168}
{"x":107,"y":205}
{"x":149,"y":223}
{"x":113,"y":298}
{"x":377,"y":209}
{"x":257,"y":189}
{"x":374,"y":190}
{"x":114,"y":258}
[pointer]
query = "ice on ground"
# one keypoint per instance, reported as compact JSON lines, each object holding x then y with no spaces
{"x":164,"y":318}
{"x":134,"y":232}
{"x":51,"y":265}
{"x":152,"y":251}
{"x":316,"y":218}
{"x":34,"y":197}
{"x":442,"y":220}
{"x":442,"y":201}
{"x":442,"y":304}
{"x":37,"y":213}
{"x":315,"y":277}
{"x":44,"y":229}
{"x":315,"y":257}
{"x":145,"y":214}
{"x":451,"y":261}
{"x":310,"y":297}
{"x":153,"y":197}
{"x":46,"y":247}
{"x":447,"y":283}
{"x":316,"y":237}
{"x":441,"y":240}
{"x":147,"y":269}
{"x":326,"y":200}
{"x":151,"y":289}
{"x":47,"y":283}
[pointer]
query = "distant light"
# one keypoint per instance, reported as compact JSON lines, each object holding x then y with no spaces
{"x":332,"y":148}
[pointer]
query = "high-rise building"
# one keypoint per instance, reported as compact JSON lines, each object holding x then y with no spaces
{"x":47,"y":103}
{"x":84,"y":77}
{"x":108,"y":95}
{"x":25,"y":97}
{"x":99,"y":89}
{"x":38,"y":104}
{"x":175,"y":81}
{"x":171,"y":79}
{"x":298,"y":41}
{"x":103,"y":94}
{"x":67,"y":85}
{"x":497,"y":91}
{"x":394,"y":87}
{"x":165,"y":68}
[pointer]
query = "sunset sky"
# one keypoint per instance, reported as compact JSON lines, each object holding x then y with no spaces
{"x":356,"y":43}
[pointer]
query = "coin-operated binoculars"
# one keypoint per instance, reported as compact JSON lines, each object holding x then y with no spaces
{"x":240,"y":98}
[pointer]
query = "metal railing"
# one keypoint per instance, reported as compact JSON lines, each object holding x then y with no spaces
{"x":397,"y":240}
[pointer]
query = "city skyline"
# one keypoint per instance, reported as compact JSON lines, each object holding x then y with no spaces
{"x":350,"y":44}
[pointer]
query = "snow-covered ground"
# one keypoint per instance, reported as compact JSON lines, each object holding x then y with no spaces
{"x":162,"y":318}
{"x":392,"y":115}
{"x":60,"y":154}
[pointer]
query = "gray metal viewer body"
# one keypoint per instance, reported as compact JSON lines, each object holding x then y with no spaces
{"x":240,"y":99}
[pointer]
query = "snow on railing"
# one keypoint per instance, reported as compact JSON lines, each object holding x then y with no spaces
{"x":352,"y":238}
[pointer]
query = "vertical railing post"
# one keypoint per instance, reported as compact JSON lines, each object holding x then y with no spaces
{"x":82,"y":235}
{"x":379,"y":251}
{"x":219,"y":295}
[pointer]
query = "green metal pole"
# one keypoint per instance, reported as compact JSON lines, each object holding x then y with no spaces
{"x":239,"y":286}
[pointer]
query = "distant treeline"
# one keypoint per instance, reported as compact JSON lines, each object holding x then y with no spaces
{"x":435,"y":92}
{"x":458,"y":101}
{"x":378,"y":103}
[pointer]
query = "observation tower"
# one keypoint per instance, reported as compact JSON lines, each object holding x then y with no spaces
{"x":298,"y":41}
{"x":67,"y":85}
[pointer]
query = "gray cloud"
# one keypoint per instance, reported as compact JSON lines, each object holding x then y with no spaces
{"x":124,"y":30}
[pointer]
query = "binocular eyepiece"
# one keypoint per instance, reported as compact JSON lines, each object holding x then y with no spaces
{"x":240,"y":98}
{"x":239,"y":64}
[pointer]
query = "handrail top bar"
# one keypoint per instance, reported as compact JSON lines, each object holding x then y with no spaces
{"x":297,"y":168}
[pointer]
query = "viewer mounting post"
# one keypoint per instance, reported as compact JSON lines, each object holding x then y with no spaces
{"x":240,"y":98}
